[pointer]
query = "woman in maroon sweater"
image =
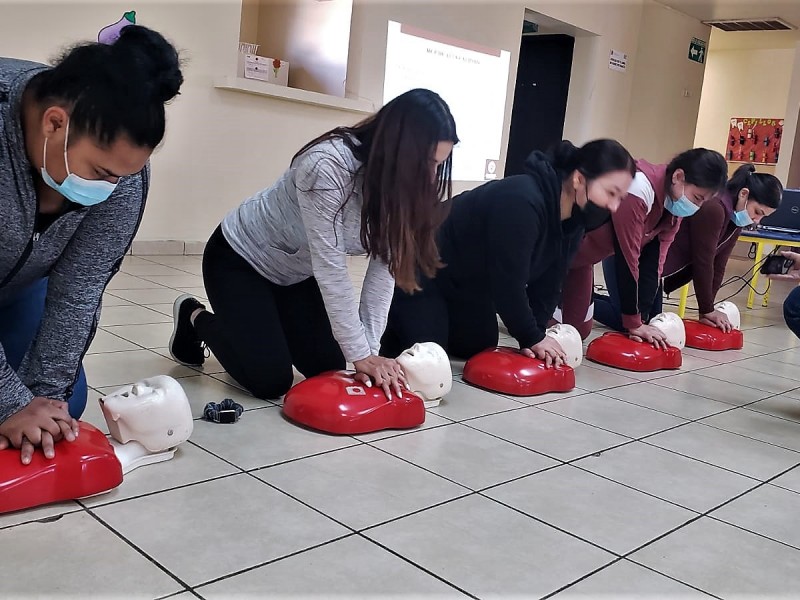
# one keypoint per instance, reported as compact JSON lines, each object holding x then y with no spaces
{"x":704,"y":243}
{"x":637,"y":237}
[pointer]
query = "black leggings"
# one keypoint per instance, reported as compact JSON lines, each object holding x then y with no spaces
{"x":462,"y":321}
{"x":259,"y":329}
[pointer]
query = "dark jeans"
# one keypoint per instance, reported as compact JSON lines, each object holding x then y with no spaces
{"x":608,"y":309}
{"x":19,"y":321}
{"x":791,"y":311}
{"x":258,"y":329}
{"x":463,"y":321}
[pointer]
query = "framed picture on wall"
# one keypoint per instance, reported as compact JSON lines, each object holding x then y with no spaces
{"x":754,"y":140}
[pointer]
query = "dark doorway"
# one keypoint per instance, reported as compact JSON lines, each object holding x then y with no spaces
{"x":540,"y":99}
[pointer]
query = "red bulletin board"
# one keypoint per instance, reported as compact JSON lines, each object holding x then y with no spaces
{"x":754,"y":140}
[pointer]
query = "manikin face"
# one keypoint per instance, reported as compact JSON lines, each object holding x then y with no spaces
{"x":731,"y":311}
{"x":570,"y":340}
{"x":427,"y":370}
{"x":672,"y":326}
{"x":154,"y":412}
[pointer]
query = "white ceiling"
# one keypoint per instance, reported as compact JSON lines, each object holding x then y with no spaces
{"x":706,"y":10}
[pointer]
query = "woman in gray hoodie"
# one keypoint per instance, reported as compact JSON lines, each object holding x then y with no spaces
{"x":74,"y":144}
{"x":276,"y":269}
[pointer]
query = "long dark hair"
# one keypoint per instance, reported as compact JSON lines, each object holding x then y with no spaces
{"x":114,"y":90}
{"x":592,"y":160}
{"x":701,"y":167}
{"x":764,"y":188}
{"x":402,"y":203}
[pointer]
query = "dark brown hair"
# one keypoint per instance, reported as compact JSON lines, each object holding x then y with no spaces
{"x":764,"y":188}
{"x":402,"y":203}
{"x":701,"y":167}
{"x":114,"y":90}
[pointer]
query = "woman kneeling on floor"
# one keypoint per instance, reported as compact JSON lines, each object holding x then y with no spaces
{"x":276,"y":269}
{"x":506,"y":246}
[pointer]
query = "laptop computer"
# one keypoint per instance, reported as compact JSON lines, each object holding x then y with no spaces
{"x":787,"y":218}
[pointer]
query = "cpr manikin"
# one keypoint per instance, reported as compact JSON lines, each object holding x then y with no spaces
{"x":428,"y":372}
{"x":508,"y":371}
{"x":336,"y":403}
{"x":147,"y":421}
{"x":707,"y":337}
{"x":671,"y":325}
{"x":620,"y":351}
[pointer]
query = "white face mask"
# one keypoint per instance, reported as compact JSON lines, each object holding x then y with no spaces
{"x":86,"y":192}
{"x":427,"y":370}
{"x":672,"y":326}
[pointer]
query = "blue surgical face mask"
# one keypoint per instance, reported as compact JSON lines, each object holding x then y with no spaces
{"x":86,"y":192}
{"x":741,"y":218}
{"x":682,"y":207}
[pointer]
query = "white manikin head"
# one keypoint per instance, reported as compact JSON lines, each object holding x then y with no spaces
{"x":154,"y":412}
{"x":427,"y":370}
{"x":672,"y":326}
{"x":731,"y":311}
{"x":570,"y":340}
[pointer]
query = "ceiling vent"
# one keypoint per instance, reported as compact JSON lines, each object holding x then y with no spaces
{"x":775,"y":24}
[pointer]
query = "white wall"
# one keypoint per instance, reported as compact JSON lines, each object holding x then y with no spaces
{"x":663,"y":118}
{"x":222,"y":146}
{"x":313,"y":36}
{"x":742,"y":83}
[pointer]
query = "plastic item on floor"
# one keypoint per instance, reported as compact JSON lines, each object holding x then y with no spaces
{"x":85,"y":467}
{"x":507,"y":371}
{"x":335,"y":403}
{"x":147,"y":421}
{"x":619,"y":351}
{"x":707,"y":337}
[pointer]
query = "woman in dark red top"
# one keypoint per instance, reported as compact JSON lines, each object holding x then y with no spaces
{"x":704,"y":243}
{"x":637,"y":238}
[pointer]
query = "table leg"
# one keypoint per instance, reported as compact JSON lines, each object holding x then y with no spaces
{"x":682,"y":302}
{"x":754,"y":278}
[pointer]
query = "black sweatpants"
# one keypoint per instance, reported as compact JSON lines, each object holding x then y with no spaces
{"x":463,"y":321}
{"x":259,"y":329}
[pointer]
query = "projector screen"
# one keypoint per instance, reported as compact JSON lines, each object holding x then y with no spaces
{"x":472,"y":79}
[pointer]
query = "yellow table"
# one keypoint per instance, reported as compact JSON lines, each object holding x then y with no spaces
{"x":759,"y":241}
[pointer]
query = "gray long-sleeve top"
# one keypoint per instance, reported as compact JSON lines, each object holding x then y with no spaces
{"x":306,"y":225}
{"x":79,"y":252}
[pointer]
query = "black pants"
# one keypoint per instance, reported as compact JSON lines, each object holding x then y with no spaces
{"x":259,"y":329}
{"x":463,"y":321}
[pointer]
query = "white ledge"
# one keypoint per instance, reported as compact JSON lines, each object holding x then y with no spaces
{"x":262,"y":88}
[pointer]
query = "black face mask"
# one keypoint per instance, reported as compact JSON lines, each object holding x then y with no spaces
{"x":594,"y":216}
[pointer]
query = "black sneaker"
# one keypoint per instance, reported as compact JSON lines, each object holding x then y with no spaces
{"x":184,"y":345}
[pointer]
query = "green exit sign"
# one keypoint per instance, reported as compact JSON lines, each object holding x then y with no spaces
{"x":697,"y":51}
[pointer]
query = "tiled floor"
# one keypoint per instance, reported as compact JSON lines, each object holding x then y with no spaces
{"x":659,"y":485}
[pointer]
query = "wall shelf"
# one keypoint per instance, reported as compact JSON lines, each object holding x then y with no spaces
{"x":262,"y":88}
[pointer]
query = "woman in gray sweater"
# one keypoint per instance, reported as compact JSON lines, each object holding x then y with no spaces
{"x":276,"y":269}
{"x":74,"y":144}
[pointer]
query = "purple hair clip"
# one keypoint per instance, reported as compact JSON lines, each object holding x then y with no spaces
{"x":110,"y":34}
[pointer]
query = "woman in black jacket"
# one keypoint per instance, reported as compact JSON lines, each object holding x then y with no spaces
{"x":506,"y":246}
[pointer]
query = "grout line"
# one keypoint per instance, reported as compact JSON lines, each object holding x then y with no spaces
{"x":138,"y":550}
{"x":269,"y":562}
{"x":418,"y":566}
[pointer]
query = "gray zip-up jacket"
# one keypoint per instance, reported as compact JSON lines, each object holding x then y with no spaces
{"x":80,"y":251}
{"x":306,"y":225}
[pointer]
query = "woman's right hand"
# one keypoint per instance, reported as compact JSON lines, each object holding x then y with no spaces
{"x":650,"y":334}
{"x":717,"y":318}
{"x":383,"y":372}
{"x":41,"y":423}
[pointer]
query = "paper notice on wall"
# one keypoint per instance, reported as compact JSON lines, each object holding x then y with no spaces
{"x":472,"y":79}
{"x":618,"y":61}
